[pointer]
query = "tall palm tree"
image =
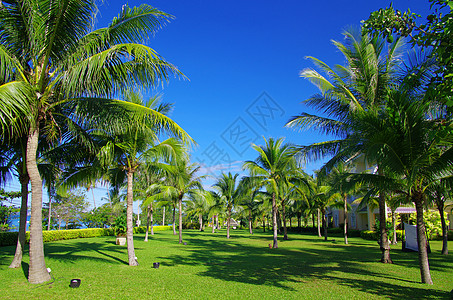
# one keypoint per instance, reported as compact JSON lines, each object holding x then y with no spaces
{"x":126,"y":149}
{"x":271,"y":166}
{"x":52,"y":58}
{"x":229,"y":192}
{"x":198,"y":205}
{"x":416,"y":153}
{"x":361,"y":84}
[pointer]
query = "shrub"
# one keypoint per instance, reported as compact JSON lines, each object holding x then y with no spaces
{"x":369,"y":235}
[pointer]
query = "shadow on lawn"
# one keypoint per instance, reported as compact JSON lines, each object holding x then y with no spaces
{"x":288,"y":267}
{"x":72,"y":252}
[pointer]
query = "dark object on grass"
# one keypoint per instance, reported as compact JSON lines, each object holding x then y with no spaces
{"x":75,"y":283}
{"x":185,"y":243}
{"x":156,"y":265}
{"x":270,"y":246}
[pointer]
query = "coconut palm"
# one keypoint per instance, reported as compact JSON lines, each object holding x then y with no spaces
{"x":416,"y":153}
{"x":271,"y":166}
{"x":51,"y":58}
{"x":249,"y":197}
{"x":126,"y":149}
{"x":347,"y":90}
{"x":228,"y":190}
{"x":198,"y":204}
{"x":181,"y":178}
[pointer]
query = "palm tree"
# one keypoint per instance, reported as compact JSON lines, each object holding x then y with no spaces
{"x":271,"y":166}
{"x":126,"y":149}
{"x":198,"y":205}
{"x":228,"y":190}
{"x":249,"y":197}
{"x":181,"y":179}
{"x":416,"y":154}
{"x":338,"y":179}
{"x":350,"y":90}
{"x":51,"y":59}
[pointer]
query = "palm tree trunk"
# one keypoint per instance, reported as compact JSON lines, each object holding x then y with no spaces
{"x":250,"y":222}
{"x":174,"y":219}
{"x":213,"y":223}
{"x":324,"y":224}
{"x":384,"y":241}
{"x":313,"y":220}
{"x":49,"y":214}
{"x":274,"y":221}
{"x":151,"y":209}
{"x":345,"y":219}
{"x":200,"y":219}
{"x":299,"y":224}
{"x":147,"y":223}
{"x":440,"y":207}
{"x":163,"y":216}
{"x":228,"y":222}
{"x":180,"y":219}
{"x":264,"y":224}
{"x":129,"y":221}
{"x":17,"y":260}
{"x":319,"y":223}
{"x":285,"y":232}
{"x":421,"y":240}
{"x":37,"y":272}
{"x":394,"y":242}
{"x":217,"y":222}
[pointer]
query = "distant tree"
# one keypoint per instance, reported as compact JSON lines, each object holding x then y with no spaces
{"x":70,"y":207}
{"x":271,"y":166}
{"x":227,"y":188}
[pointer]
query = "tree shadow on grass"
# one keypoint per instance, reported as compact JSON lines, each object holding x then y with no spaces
{"x":289,"y":268}
{"x":82,"y":249}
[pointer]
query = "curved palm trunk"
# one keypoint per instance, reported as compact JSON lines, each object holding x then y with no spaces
{"x":163,"y":216}
{"x":384,"y":241}
{"x":37,"y":272}
{"x":285,"y":230}
{"x":274,"y":221}
{"x":250,"y":222}
{"x":228,"y":222}
{"x":345,"y":219}
{"x":180,"y":219}
{"x":324,"y":224}
{"x":421,"y":240}
{"x":147,"y":223}
{"x":129,"y":221}
{"x":174,"y":219}
{"x":17,"y":260}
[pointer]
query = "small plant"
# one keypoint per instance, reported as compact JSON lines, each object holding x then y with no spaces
{"x":120,"y":226}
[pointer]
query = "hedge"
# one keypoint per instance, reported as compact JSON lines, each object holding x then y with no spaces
{"x":10,"y":238}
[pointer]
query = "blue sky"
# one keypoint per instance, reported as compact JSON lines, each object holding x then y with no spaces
{"x":243,"y":59}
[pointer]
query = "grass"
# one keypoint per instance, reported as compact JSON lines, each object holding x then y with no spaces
{"x":212,"y":267}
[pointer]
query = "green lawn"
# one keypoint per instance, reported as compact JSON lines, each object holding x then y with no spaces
{"x":212,"y":267}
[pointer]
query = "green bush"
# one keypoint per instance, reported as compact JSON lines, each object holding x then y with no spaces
{"x":374,"y":236}
{"x":10,"y":238}
{"x":142,"y":229}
